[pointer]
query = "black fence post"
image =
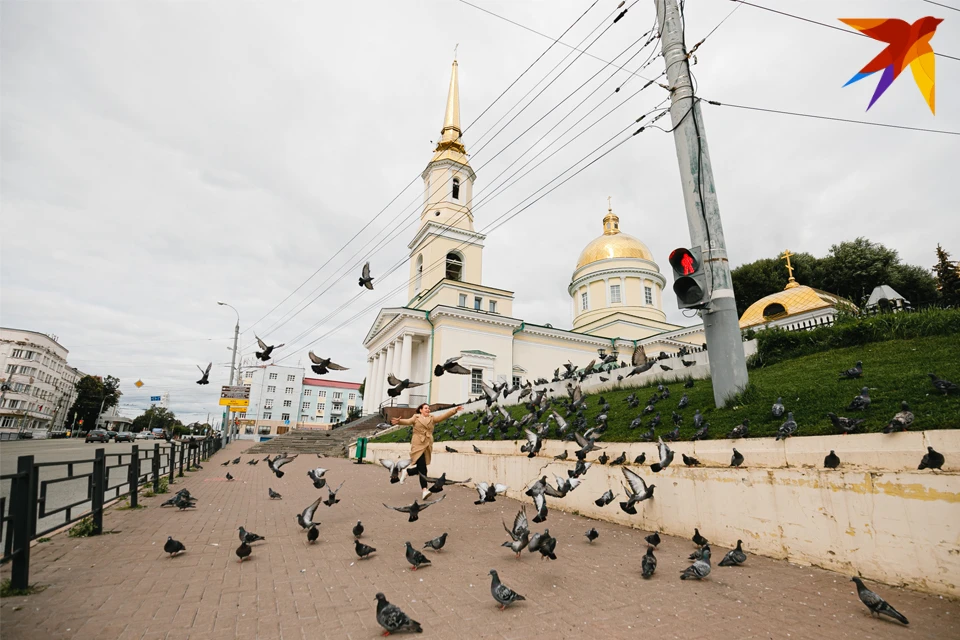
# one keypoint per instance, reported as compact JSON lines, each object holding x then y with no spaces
{"x":172,"y":461}
{"x":156,"y":467}
{"x":99,"y":486}
{"x":180,"y":473}
{"x":21,"y":522}
{"x":133,"y":475}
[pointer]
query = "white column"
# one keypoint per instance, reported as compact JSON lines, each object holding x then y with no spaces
{"x":377,"y":382}
{"x":368,"y":388}
{"x":623,"y":290}
{"x":389,"y":369}
{"x":606,"y":291}
{"x":406,"y":351}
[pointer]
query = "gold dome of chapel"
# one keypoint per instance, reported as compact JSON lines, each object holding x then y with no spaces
{"x":613,"y":244}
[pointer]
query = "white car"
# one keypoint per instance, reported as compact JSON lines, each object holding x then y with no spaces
{"x":145,"y":435}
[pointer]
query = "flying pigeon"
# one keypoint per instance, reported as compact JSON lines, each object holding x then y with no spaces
{"x":845,"y":425}
{"x":605,"y":499}
{"x":648,"y":563}
{"x":788,"y":428}
{"x":737,"y":459}
{"x":206,"y":374}
{"x":415,"y":558}
{"x":332,"y":497}
{"x":366,"y":280}
{"x":734,"y":557}
{"x":653,"y":539}
{"x":832,"y":461}
{"x":592,"y":534}
{"x":249,"y":537}
{"x":395,"y":467}
{"x":358,"y":529}
{"x":503,"y":594}
{"x":637,"y":491}
{"x":700,"y":569}
{"x":362,"y":550}
{"x":854,"y":372}
{"x":173,"y":547}
{"x":901,"y":421}
{"x":415,"y":508}
{"x":400,"y":385}
{"x":323,"y":366}
{"x":690,"y":461}
{"x":666,"y":457}
{"x":391,"y":618}
{"x":273,"y":494}
{"x":860,"y":402}
{"x":520,"y":533}
{"x":451,"y":366}
{"x":943,"y":386}
{"x":540,"y":502}
{"x":305,"y":517}
{"x":279,"y":461}
{"x":488,"y":492}
{"x":243,"y":551}
{"x":547,"y":545}
{"x":316,"y":475}
{"x":265,"y":352}
{"x":437,"y":543}
{"x":875,"y":603}
{"x":778,"y":408}
{"x":312,"y":534}
{"x":931,"y":460}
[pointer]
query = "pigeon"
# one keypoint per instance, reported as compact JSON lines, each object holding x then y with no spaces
{"x":273,"y":494}
{"x":173,"y":547}
{"x":415,"y":558}
{"x":687,"y":363}
{"x":901,"y":421}
{"x":698,"y":554}
{"x":562,"y":456}
{"x":637,"y":491}
{"x":592,"y":534}
{"x":476,"y":450}
{"x":415,"y":508}
{"x":605,"y":499}
{"x":701,"y":432}
{"x":391,"y":618}
{"x":697,"y":419}
{"x":788,"y":428}
{"x":540,"y":502}
{"x":666,"y":457}
{"x":698,"y":539}
{"x":653,"y":539}
{"x":184,"y":501}
{"x":688,"y":384}
{"x":875,"y":603}
{"x":362,"y":550}
{"x":265,"y":352}
{"x":450,"y":449}
{"x":312,"y":534}
{"x":437,"y":543}
{"x":206,"y":374}
{"x":319,"y":482}
{"x":619,"y":459}
{"x":395,"y":467}
{"x":249,"y":537}
{"x":580,"y":469}
{"x":236,"y":460}
{"x":943,"y":386}
{"x":845,"y":425}
{"x":931,"y":460}
{"x":734,"y":557}
{"x":832,"y":461}
{"x":399,"y":385}
{"x":225,"y":464}
{"x":778,"y":408}
{"x":640,"y":459}
{"x":737,"y":459}
{"x":332,"y":497}
{"x":665,"y":367}
{"x":860,"y":402}
{"x":243,"y":551}
{"x":366,"y":280}
{"x":279,"y":461}
{"x":674,"y":435}
{"x":690,"y":461}
{"x":503,"y":594}
{"x":253,"y":462}
{"x":451,"y":366}
{"x":323,"y":366}
{"x":854,"y":372}
{"x":700,"y":569}
{"x":305,"y":517}
{"x":547,"y":546}
{"x":684,"y":401}
{"x":604,"y":458}
{"x":740,"y":431}
{"x":648,"y":563}
{"x":488,"y":492}
{"x":179,"y":496}
{"x":229,"y":477}
{"x":520,"y":533}
{"x":358,"y":529}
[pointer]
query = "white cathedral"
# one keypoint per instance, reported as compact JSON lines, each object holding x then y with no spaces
{"x":615,"y":289}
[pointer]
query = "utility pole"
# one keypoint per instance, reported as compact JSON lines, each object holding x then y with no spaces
{"x":721,"y":324}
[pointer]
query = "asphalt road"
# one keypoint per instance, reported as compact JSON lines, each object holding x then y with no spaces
{"x":59,"y":494}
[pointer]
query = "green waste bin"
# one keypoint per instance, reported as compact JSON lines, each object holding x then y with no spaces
{"x":361,"y":449}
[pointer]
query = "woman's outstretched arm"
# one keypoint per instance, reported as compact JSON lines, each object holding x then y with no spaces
{"x":446,"y":414}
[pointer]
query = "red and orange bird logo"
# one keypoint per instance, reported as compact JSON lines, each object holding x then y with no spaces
{"x":907,"y":44}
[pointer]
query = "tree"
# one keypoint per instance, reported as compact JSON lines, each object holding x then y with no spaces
{"x":852,"y":269}
{"x":948,"y":279}
{"x":155,"y":418}
{"x":914,"y":283}
{"x":91,"y":392}
{"x":363,"y":385}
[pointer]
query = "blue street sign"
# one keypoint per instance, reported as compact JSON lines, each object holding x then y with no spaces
{"x":154,"y":398}
{"x":286,"y":422}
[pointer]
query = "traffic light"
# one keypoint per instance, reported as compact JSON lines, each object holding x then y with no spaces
{"x":689,"y":279}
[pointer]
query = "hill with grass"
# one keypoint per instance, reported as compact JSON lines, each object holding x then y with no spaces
{"x":894,"y":371}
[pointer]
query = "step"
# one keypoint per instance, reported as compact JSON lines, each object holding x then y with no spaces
{"x":333,"y":442}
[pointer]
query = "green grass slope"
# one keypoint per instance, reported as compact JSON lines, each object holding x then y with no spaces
{"x":894,"y":370}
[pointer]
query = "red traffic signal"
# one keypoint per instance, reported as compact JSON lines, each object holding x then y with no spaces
{"x":689,"y":280}
{"x":683,"y":262}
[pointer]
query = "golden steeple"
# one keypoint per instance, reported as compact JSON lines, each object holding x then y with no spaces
{"x":450,"y":134}
{"x":611,"y":223}
{"x":791,"y":283}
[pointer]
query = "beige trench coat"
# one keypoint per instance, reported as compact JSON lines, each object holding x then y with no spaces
{"x":422,"y":442}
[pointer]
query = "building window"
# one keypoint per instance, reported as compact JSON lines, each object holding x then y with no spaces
{"x":268,"y":403}
{"x":337,"y":395}
{"x":273,"y":376}
{"x":321,"y":394}
{"x":477,"y":301}
{"x":516,"y":381}
{"x":271,"y":389}
{"x":284,"y":416}
{"x":248,"y":430}
{"x":614,"y":293}
{"x":291,"y":377}
{"x":463,"y":300}
{"x":304,"y":405}
{"x":308,"y":392}
{"x":419,"y":273}
{"x":456,"y":188}
{"x":493,"y":306}
{"x":321,"y":407}
{"x":267,"y":416}
{"x":288,"y":403}
{"x":583,"y":301}
{"x":288,"y":390}
{"x":454,"y":266}
{"x":648,"y":295}
{"x":304,"y":418}
{"x":241,"y":416}
{"x":476,"y":377}
{"x":264,"y":430}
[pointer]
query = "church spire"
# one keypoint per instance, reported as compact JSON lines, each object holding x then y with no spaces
{"x":450,"y":134}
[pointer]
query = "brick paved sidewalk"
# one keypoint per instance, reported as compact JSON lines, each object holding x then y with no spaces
{"x":123,"y":586}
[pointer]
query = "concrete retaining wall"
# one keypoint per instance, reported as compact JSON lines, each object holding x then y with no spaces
{"x":877,"y":515}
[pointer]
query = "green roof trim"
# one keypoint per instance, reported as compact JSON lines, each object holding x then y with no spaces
{"x":477,"y":352}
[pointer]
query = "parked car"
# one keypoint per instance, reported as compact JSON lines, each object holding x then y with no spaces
{"x":111,"y":434}
{"x":97,"y":435}
{"x":145,"y":435}
{"x":125,"y":436}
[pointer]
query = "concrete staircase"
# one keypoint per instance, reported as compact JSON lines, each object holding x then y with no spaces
{"x":330,"y":443}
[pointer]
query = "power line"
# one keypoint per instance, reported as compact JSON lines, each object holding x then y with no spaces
{"x":824,"y":24}
{"x":819,"y":117}
{"x":940,"y":4}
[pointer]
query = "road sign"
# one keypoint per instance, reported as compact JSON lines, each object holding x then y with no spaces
{"x":240,"y":392}
{"x":154,"y":398}
{"x":234,"y":402}
{"x":239,"y":407}
{"x":138,"y":383}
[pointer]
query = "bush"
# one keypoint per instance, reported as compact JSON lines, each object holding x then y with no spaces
{"x":82,"y":529}
{"x":164,"y":485}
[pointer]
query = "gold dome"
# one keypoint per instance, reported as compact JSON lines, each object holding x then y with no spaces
{"x":613,"y":244}
{"x":794,"y":299}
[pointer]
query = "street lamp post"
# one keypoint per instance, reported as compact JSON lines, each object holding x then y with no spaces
{"x":233,"y":360}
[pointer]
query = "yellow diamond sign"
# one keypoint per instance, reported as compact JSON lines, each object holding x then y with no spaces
{"x":138,"y":384}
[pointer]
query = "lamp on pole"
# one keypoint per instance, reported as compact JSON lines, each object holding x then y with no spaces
{"x":233,"y":360}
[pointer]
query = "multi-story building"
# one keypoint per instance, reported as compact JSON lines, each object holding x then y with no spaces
{"x":38,"y":386}
{"x":328,"y":402}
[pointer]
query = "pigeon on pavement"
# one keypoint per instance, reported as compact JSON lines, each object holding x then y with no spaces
{"x":273,"y":494}
{"x":173,"y":547}
{"x":901,"y":421}
{"x":734,"y":557}
{"x":415,"y":508}
{"x":415,"y":558}
{"x":640,"y":459}
{"x":690,"y":461}
{"x":362,"y":550}
{"x":229,"y":477}
{"x":249,"y":537}
{"x":243,"y":551}
{"x":391,"y":618}
{"x":737,"y":458}
{"x":876,"y":604}
{"x":832,"y":461}
{"x":358,"y":529}
{"x":788,"y":428}
{"x":332,"y":497}
{"x":592,"y":534}
{"x":699,"y":570}
{"x":437,"y":543}
{"x":653,"y":539}
{"x":648,"y":563}
{"x":503,"y":594}
{"x":931,"y":460}
{"x":312,"y":534}
{"x":698,"y":539}
{"x":520,"y":533}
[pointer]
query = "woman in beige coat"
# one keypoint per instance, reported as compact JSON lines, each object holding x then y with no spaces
{"x":421,"y":444}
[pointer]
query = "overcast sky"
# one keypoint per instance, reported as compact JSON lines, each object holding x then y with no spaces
{"x":160,"y":156}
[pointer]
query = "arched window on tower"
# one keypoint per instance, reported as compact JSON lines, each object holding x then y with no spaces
{"x":419,"y":273}
{"x":456,"y":188}
{"x":454,"y":267}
